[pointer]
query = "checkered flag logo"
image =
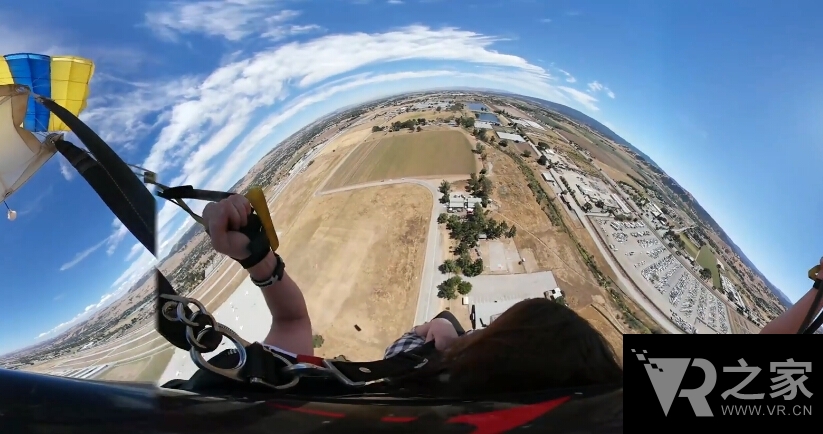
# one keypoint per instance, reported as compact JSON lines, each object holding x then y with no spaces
{"x":642,"y":357}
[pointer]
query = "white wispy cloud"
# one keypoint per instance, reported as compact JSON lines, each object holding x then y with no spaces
{"x":66,"y":169}
{"x":395,"y":2}
{"x":111,"y":242}
{"x":545,"y":20}
{"x":596,"y":86}
{"x":569,"y":78}
{"x":233,"y":20}
{"x":581,"y":97}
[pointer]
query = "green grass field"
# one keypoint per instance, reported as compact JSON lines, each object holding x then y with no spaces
{"x":706,"y":259}
{"x":690,"y":247}
{"x":406,"y":155}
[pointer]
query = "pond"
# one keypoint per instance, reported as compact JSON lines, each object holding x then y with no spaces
{"x":477,"y":107}
{"x":487,"y":117}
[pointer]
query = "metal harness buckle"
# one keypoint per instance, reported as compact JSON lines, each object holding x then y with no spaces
{"x":174,"y":310}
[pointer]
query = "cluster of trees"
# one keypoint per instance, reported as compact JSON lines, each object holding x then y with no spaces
{"x":450,"y":288}
{"x":705,"y":273}
{"x":445,"y":188}
{"x":480,"y":186}
{"x":376,"y":129}
{"x":674,"y":240}
{"x":527,"y":153}
{"x":636,"y":196}
{"x":411,"y":124}
{"x":467,"y":232}
{"x":466,"y":121}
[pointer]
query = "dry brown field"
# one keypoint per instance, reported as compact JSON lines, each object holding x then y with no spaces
{"x":406,"y":154}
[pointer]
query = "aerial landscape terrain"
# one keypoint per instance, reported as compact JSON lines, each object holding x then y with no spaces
{"x":391,"y":211}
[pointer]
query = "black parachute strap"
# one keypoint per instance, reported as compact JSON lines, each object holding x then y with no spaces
{"x":109,"y":176}
{"x":176,"y":195}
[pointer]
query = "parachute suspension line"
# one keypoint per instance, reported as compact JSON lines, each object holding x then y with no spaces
{"x":11,"y":214}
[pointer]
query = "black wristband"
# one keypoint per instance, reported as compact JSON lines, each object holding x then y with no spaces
{"x":276,"y":275}
{"x":818,"y":284}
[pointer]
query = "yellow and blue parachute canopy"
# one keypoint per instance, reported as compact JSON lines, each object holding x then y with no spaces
{"x":63,"y":79}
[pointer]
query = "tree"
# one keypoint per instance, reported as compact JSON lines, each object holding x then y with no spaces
{"x":445,"y":187}
{"x":543,"y":160}
{"x":542,"y":146}
{"x":317,"y":341}
{"x":419,"y":129}
{"x":464,"y":288}
{"x":479,"y":147}
{"x":448,"y":288}
{"x":438,"y":108}
{"x":448,"y":266}
{"x":485,"y":186}
{"x":504,"y":143}
{"x":473,"y":184}
{"x":442,"y":218}
{"x":444,"y":198}
{"x":527,"y":153}
{"x":512,"y":232}
{"x":467,"y":122}
{"x":705,"y":273}
{"x":376,"y":128}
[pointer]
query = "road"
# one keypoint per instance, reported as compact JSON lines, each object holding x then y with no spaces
{"x":427,"y":302}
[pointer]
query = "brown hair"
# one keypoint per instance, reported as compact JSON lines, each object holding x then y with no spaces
{"x":536,"y":344}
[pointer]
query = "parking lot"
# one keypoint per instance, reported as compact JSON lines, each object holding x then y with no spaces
{"x":663,"y":279}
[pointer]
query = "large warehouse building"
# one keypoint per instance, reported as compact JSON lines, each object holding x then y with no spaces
{"x":516,"y":138}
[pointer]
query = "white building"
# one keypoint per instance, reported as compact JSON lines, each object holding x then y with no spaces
{"x":529,"y":124}
{"x":513,"y":137}
{"x":483,"y":125}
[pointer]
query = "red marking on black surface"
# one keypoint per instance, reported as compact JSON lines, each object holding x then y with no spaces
{"x":398,"y":419}
{"x":318,"y":361}
{"x":499,"y":421}
{"x":307,"y":410}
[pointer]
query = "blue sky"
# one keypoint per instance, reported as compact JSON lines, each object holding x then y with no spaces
{"x":725,"y":96}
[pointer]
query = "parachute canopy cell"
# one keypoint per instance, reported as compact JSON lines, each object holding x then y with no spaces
{"x":21,"y":152}
{"x":63,"y":79}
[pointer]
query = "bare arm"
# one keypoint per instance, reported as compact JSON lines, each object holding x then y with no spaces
{"x":789,"y":321}
{"x":291,"y":326}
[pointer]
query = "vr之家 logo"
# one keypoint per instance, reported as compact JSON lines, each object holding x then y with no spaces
{"x":666,"y":374}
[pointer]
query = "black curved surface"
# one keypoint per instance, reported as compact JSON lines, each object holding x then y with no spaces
{"x":35,"y":403}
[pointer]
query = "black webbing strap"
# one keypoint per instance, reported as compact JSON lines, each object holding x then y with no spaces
{"x":176,"y":195}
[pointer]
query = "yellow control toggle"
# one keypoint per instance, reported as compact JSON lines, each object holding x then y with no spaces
{"x":813,"y":272}
{"x":258,"y":202}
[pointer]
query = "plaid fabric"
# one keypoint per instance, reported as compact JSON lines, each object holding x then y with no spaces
{"x":407,"y":342}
